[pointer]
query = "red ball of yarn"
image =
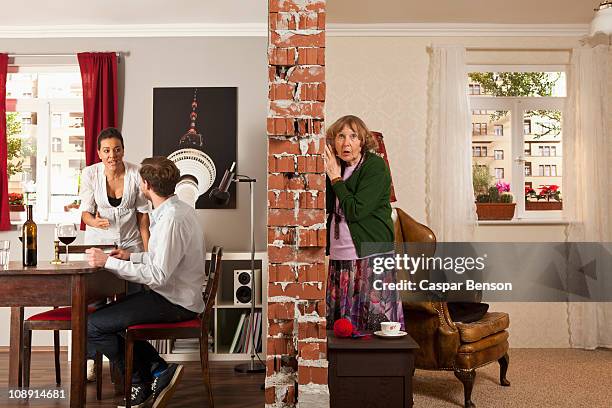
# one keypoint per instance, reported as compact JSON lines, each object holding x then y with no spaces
{"x":343,"y":328}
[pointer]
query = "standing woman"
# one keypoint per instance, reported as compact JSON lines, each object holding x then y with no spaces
{"x":359,"y":214}
{"x":112,"y":205}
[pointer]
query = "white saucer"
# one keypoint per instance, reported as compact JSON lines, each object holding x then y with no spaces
{"x":400,"y":333}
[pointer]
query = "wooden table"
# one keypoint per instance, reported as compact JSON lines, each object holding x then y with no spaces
{"x":370,"y":372}
{"x":76,"y":284}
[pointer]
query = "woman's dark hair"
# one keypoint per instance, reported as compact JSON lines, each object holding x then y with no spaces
{"x":110,"y":133}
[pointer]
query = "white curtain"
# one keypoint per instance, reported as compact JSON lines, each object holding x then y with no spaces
{"x":586,"y":183}
{"x":451,"y":212}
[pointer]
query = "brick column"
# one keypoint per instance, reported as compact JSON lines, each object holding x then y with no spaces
{"x":296,"y":364}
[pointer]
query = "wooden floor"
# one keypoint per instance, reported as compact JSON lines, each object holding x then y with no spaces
{"x":230,"y":389}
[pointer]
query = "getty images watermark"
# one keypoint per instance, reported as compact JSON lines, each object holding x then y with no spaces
{"x":495,"y":271}
{"x":459,"y":265}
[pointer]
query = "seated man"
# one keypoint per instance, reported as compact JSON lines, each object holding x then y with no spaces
{"x":173,"y":270}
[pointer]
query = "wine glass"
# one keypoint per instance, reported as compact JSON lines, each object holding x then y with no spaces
{"x":66,"y":233}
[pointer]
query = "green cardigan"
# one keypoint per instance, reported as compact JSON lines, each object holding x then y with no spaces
{"x":364,"y":199}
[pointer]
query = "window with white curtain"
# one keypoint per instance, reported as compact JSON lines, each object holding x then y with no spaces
{"x":45,"y":128}
{"x":532,"y":102}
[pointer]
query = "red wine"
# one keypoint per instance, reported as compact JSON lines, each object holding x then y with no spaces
{"x":29,"y":233}
{"x":66,"y":240}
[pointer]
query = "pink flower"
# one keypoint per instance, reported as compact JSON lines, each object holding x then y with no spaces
{"x":502,"y":187}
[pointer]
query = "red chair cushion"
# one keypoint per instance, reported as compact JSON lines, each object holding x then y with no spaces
{"x":193,"y":323}
{"x":59,"y":314}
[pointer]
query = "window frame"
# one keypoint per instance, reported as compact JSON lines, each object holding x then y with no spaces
{"x":517,"y":106}
{"x":44,"y":107}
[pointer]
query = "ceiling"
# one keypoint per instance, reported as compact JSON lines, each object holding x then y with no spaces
{"x":461,"y":11}
{"x":117,"y":12}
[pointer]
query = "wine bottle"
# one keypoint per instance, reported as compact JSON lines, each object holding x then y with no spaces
{"x":29,"y":233}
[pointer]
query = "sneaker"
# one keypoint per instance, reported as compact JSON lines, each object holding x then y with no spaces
{"x":141,"y":396}
{"x":165,"y":383}
{"x":91,"y":370}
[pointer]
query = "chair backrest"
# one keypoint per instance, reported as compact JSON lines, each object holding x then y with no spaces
{"x":214,"y":273}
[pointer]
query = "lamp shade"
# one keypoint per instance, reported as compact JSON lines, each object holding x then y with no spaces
{"x":602,"y":22}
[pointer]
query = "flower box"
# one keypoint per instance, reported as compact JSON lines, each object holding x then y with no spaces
{"x":495,"y":211}
{"x":17,"y":212}
{"x":543,"y":205}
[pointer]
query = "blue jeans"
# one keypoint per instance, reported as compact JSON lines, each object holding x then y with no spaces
{"x":106,"y":330}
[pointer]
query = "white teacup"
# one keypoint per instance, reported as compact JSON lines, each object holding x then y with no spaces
{"x":390,"y":328}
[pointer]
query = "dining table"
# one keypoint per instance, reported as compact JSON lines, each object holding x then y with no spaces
{"x":75,"y":284}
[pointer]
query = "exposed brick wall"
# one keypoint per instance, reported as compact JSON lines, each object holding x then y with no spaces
{"x":296,"y":365}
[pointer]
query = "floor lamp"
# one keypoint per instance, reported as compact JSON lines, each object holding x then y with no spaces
{"x":221,"y":196}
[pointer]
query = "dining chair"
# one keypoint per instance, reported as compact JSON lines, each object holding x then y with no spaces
{"x":56,"y":319}
{"x":196,"y":328}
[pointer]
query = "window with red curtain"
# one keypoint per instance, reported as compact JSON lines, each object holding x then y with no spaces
{"x":99,"y":76}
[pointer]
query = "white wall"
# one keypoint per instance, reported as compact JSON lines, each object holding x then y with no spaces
{"x":178,"y":62}
{"x":384,"y":81}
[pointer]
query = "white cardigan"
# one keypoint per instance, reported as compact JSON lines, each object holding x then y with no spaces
{"x":123,"y":230}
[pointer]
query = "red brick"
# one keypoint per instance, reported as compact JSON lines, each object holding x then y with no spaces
{"x":312,"y":351}
{"x":281,"y":199}
{"x":282,"y":56}
{"x":309,"y":56}
{"x":303,"y":217}
{"x":276,"y":234}
{"x":312,"y":306}
{"x":296,"y":39}
{"x":281,"y":311}
{"x":315,"y":182}
{"x":281,"y":126}
{"x":281,"y":164}
{"x":310,"y":255}
{"x":306,"y":74}
{"x":270,"y":395}
{"x":321,"y":21}
{"x":281,"y":91}
{"x":292,"y":146}
{"x":280,"y":255}
{"x":292,"y":289}
{"x":316,"y":375}
{"x":308,"y":21}
{"x":312,"y":273}
{"x":321,"y":56}
{"x":289,"y":109}
{"x":312,"y":292}
{"x":288,"y":5}
{"x":280,"y":345}
{"x":310,"y":164}
{"x":284,"y":182}
{"x":281,"y":273}
{"x":310,"y":200}
{"x":290,"y":395}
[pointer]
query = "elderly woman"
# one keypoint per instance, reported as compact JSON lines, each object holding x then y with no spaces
{"x":359,"y":228}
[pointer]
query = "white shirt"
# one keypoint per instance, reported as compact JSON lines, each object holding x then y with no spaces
{"x":174,"y":264}
{"x":123,"y":230}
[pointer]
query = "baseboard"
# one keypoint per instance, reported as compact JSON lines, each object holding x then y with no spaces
{"x":63,"y":349}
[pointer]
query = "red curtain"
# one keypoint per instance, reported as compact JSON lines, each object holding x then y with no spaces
{"x":99,"y":77}
{"x":5,"y":217}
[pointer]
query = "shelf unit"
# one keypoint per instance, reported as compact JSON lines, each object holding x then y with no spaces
{"x":226,"y":315}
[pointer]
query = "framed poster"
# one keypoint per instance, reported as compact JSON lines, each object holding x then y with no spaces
{"x":201,"y":118}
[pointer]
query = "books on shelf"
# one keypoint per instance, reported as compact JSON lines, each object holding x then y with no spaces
{"x":246,"y":334}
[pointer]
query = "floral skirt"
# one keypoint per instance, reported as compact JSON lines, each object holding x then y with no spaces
{"x":351,"y":294}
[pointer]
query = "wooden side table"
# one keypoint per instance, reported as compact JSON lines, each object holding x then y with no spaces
{"x":370,"y":372}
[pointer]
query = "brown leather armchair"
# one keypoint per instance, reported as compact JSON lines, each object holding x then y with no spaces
{"x":444,"y":344}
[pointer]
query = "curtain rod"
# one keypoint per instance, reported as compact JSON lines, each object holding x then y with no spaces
{"x":118,"y":54}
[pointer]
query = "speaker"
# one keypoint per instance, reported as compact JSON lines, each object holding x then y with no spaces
{"x":242,"y":287}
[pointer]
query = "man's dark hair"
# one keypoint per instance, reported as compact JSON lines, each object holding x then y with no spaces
{"x":110,"y":133}
{"x":161,"y":174}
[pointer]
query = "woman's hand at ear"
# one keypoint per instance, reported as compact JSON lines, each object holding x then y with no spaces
{"x":332,"y":164}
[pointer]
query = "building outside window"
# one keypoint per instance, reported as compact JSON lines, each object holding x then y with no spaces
{"x":499,"y":155}
{"x":41,"y":100}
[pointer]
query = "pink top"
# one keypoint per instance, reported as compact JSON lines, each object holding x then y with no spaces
{"x":343,"y":248}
